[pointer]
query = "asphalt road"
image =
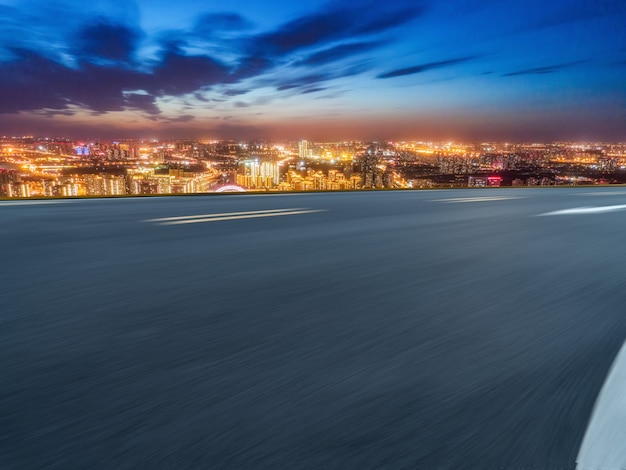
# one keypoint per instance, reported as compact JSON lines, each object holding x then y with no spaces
{"x":426,"y":329}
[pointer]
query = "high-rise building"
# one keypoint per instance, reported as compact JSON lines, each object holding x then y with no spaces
{"x":114,"y":186}
{"x":7,"y":179}
{"x":255,"y":175}
{"x":99,"y":185}
{"x":24,"y":190}
{"x":303,"y":149}
{"x":94,"y":185}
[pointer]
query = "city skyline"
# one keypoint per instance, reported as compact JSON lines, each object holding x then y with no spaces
{"x":31,"y":167}
{"x":463,"y":70}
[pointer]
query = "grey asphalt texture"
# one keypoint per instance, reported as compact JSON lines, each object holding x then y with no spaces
{"x":392,"y":330}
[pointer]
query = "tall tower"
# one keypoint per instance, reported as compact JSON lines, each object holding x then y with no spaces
{"x":303,"y":149}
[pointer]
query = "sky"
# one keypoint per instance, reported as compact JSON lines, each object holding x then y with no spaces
{"x":514,"y":70}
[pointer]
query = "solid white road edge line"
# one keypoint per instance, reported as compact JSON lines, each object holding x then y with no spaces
{"x":237,"y":217}
{"x":604,"y":444}
{"x":226,"y":214}
{"x":587,"y":210}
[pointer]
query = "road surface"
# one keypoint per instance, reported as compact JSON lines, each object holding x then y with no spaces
{"x":421,"y":329}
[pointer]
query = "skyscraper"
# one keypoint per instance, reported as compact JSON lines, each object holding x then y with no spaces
{"x":303,"y":149}
{"x":258,"y":175}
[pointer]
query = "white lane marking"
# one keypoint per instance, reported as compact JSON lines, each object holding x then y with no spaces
{"x":477,"y":199}
{"x":238,"y":217}
{"x":225,"y":214}
{"x":604,"y":444}
{"x":587,"y":210}
{"x":29,"y":203}
{"x":604,"y":193}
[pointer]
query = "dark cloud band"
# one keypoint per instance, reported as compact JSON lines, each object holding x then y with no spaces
{"x":424,"y":67}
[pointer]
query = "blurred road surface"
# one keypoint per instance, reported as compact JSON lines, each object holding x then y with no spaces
{"x":427,"y":329}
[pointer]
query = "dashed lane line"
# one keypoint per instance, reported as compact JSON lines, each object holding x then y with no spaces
{"x":225,"y":214}
{"x":586,"y":210}
{"x":604,"y":193}
{"x":238,"y":217}
{"x":477,"y":199}
{"x":205,"y":218}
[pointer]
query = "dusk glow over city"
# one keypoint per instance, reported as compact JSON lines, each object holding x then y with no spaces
{"x":468,"y":69}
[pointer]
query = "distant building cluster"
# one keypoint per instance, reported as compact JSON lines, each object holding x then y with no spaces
{"x":11,"y":184}
{"x":31,"y":167}
{"x":311,"y":180}
{"x":254,"y":174}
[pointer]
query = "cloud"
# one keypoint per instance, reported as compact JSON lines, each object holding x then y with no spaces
{"x":63,"y":31}
{"x":252,"y":66}
{"x":143,"y":102}
{"x":544,"y":70}
{"x":340,"y":52}
{"x":105,"y":39}
{"x":52,"y":113}
{"x":200,"y":97}
{"x":93,"y":61}
{"x":335,"y":21}
{"x":424,"y":67}
{"x":211,"y":23}
{"x":287,"y":86}
{"x":183,"y":118}
{"x":21,"y":86}
{"x":179,"y":74}
{"x":304,"y":81}
{"x":33,"y":82}
{"x":313,"y":90}
{"x":311,"y":80}
{"x":235,"y":92}
{"x":317,"y":33}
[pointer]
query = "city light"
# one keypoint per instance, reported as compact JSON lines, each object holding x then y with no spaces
{"x":54,"y":168}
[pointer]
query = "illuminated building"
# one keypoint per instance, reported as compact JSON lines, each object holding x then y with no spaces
{"x":145,"y":186}
{"x":94,"y":185}
{"x":255,"y":175}
{"x":97,"y":185}
{"x":7,"y":179}
{"x":303,"y":149}
{"x":114,"y":186}
{"x":23,"y":190}
{"x":71,"y":189}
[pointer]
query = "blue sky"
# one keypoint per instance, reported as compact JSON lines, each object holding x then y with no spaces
{"x":322,"y":70}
